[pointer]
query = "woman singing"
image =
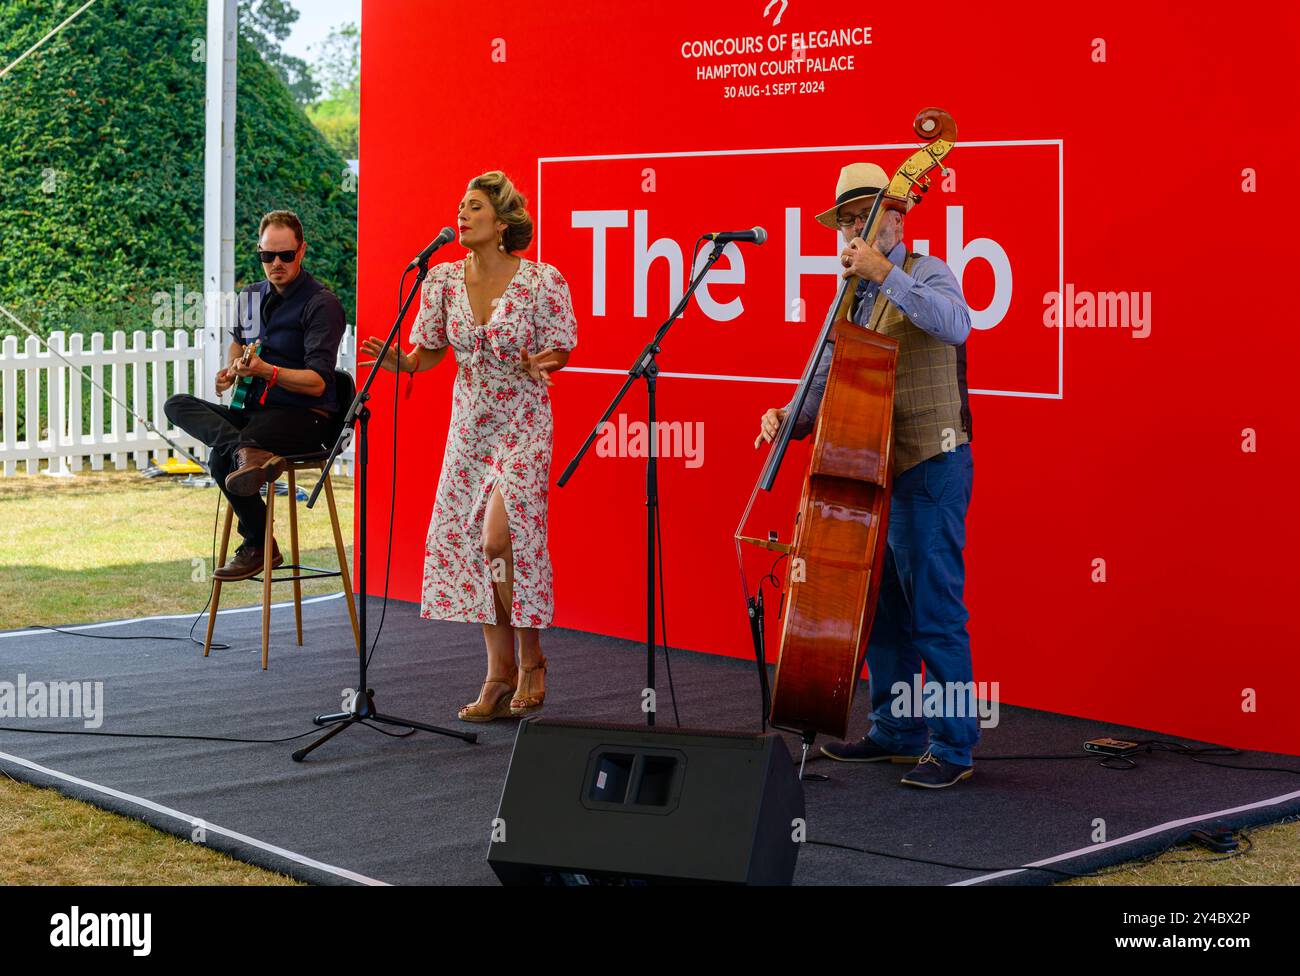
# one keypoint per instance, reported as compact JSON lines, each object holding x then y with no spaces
{"x":486,"y":549}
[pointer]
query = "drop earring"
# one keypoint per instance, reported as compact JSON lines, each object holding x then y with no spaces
{"x":501,"y":245}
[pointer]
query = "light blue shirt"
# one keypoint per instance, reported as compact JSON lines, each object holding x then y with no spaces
{"x":930,"y":297}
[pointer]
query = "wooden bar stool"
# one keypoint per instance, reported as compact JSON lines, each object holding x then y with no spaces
{"x":345,"y":391}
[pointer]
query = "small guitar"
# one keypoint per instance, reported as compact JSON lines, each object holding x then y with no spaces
{"x":243,"y":385}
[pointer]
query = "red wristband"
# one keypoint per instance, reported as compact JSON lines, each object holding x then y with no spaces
{"x":275,"y":375}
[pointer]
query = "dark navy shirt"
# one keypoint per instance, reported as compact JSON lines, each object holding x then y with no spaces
{"x":299,"y":328}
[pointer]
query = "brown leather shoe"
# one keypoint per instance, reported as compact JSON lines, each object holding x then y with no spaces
{"x":256,"y":467}
{"x":248,"y":562}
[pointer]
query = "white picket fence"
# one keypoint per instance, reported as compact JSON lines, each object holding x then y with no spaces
{"x":57,"y":428}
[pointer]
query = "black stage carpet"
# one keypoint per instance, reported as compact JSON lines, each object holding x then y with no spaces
{"x":366,"y":808}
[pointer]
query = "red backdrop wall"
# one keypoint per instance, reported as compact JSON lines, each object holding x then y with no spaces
{"x":1117,"y":175}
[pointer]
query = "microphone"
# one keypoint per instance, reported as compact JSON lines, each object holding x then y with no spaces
{"x":446,"y":236}
{"x":755,"y":235}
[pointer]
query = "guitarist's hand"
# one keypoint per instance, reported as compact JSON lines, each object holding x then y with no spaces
{"x":225,"y":380}
{"x":253,"y":366}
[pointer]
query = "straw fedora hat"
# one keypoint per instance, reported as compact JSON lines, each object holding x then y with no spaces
{"x":857,"y":180}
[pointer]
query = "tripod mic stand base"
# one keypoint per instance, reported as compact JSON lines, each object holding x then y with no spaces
{"x":363,"y":710}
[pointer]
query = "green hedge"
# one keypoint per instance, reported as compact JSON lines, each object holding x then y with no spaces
{"x":101,"y":165}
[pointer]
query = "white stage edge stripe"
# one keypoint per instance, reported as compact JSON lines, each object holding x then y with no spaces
{"x":191,"y":821}
{"x":255,"y":608}
{"x":1130,"y":837}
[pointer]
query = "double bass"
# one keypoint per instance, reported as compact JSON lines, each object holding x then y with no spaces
{"x":837,"y":545}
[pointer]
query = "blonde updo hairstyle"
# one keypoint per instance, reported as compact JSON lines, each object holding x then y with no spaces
{"x":511,"y":207}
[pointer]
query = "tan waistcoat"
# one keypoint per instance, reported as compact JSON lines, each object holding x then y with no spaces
{"x":928,"y":389}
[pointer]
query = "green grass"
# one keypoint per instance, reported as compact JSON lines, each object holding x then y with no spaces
{"x":1273,"y":860}
{"x":107,"y":544}
{"x":47,"y":839}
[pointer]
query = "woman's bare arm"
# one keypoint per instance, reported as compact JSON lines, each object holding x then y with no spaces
{"x":399,"y":362}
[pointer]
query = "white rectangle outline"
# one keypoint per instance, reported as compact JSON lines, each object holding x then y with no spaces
{"x":1060,"y":242}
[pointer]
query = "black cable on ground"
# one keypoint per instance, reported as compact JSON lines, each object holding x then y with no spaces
{"x":1195,"y":752}
{"x":154,"y":735}
{"x":135,"y":637}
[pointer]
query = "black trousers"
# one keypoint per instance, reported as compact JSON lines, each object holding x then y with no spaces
{"x":280,"y":430}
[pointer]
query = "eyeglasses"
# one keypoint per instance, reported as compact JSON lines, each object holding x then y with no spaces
{"x":266,"y":257}
{"x":848,"y":220}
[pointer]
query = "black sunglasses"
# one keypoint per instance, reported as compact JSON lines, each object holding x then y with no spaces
{"x":266,"y":257}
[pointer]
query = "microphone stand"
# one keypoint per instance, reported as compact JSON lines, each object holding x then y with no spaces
{"x":645,"y":367}
{"x":362,"y":706}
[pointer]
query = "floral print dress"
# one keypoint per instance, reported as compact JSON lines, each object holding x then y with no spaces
{"x":500,"y":437}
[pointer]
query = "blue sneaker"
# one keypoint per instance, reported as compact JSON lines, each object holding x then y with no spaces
{"x":864,"y":750}
{"x":935,"y":774}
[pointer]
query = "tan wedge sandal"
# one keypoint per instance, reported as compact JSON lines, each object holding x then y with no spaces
{"x":482,"y":710}
{"x":526,"y":700}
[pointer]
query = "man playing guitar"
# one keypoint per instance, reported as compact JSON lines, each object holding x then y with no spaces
{"x":292,"y":325}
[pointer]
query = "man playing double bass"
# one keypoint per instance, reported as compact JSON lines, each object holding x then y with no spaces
{"x":920,"y":613}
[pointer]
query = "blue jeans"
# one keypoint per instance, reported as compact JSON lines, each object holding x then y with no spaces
{"x":920,"y":615}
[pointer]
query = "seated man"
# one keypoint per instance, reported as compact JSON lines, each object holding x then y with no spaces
{"x":296,"y":324}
